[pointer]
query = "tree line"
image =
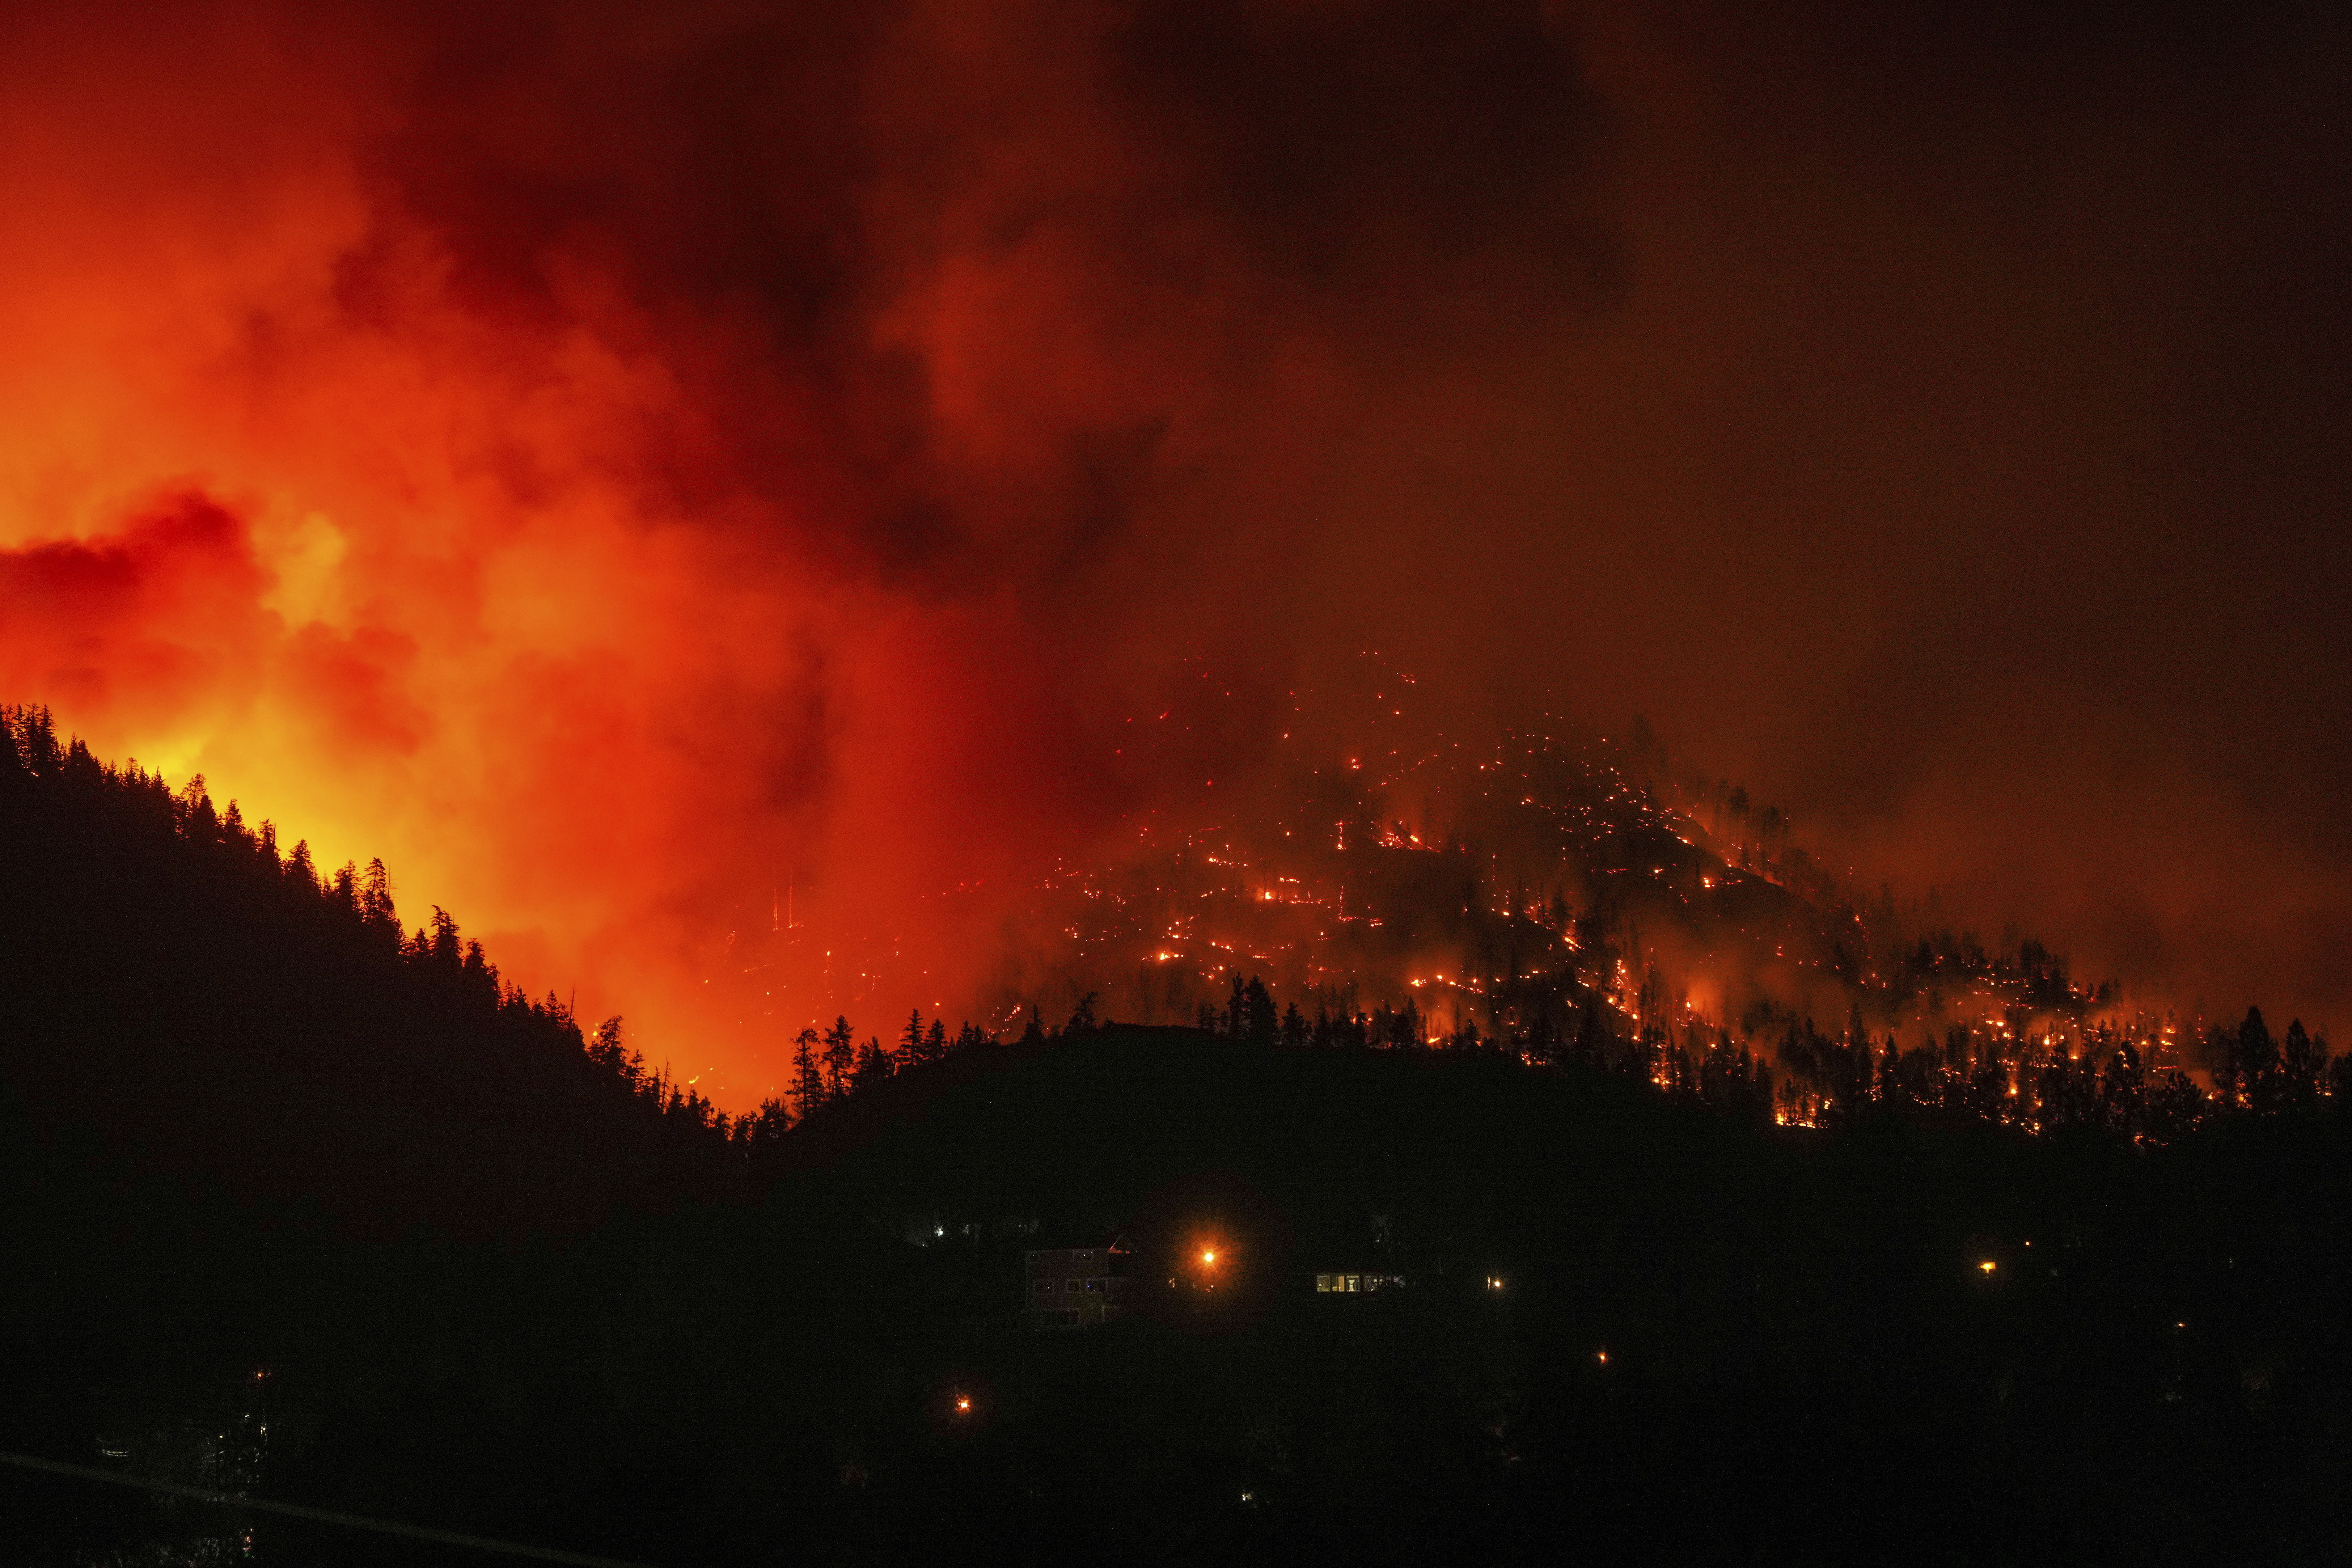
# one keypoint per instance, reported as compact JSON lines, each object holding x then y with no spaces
{"x":168,"y":963}
{"x":90,"y":840}
{"x":2046,"y":1079}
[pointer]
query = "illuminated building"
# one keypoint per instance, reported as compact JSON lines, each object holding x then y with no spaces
{"x":1357,"y":1284}
{"x":1074,"y":1287}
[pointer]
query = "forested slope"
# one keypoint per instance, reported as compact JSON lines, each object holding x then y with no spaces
{"x":200,"y":1003}
{"x":300,"y":1207}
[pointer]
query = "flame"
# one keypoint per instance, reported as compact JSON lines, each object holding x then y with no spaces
{"x":530,"y":474}
{"x":544,"y":576}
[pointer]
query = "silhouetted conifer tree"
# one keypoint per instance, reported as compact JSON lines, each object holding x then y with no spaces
{"x":808,"y":1086}
{"x":1257,"y":1017}
{"x":1543,"y":1042}
{"x":840,"y":1058}
{"x":2252,"y":1058}
{"x":376,"y":899}
{"x":2175,"y":1106}
{"x":2123,"y":1094}
{"x":765,"y":1128}
{"x":605,"y":1046}
{"x":2303,"y":1069}
{"x":873,"y":1064}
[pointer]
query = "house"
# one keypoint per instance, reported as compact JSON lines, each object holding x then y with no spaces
{"x":1074,"y":1287}
{"x":1370,"y":1248}
{"x":1357,"y":1284}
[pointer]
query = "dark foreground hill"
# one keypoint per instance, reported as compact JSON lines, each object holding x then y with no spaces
{"x":1805,"y":1359}
{"x":301,"y":1208}
{"x":217,"y":1015}
{"x":1632,"y":1330}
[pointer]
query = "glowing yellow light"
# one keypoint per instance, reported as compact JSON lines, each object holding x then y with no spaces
{"x":1987,"y":1266}
{"x":1210,"y":1256}
{"x":963,"y":1404}
{"x":1604,"y":1358}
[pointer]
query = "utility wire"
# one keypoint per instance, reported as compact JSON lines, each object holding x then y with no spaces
{"x":323,"y":1516}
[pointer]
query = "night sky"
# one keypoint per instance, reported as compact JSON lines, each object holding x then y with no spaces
{"x":609,"y":460}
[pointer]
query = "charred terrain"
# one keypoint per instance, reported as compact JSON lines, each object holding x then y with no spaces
{"x":306,"y":1209}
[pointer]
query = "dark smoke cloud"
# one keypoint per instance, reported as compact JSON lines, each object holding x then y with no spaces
{"x":1358,"y":147}
{"x":686,"y":450}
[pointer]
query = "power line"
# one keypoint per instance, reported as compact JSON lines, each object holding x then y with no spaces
{"x":320,"y":1515}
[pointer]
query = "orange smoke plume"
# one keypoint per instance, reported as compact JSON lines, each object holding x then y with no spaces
{"x":701,"y":490}
{"x":507,"y":555}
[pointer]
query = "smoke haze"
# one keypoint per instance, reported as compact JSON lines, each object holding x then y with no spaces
{"x":654,"y":473}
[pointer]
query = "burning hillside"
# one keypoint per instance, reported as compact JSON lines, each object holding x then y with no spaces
{"x":723,"y":498}
{"x":1526,"y":884}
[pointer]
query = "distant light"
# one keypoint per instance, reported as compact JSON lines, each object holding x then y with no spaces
{"x":1988,"y":1265}
{"x":1604,"y":1358}
{"x":963,"y":1404}
{"x":1209,"y":1256}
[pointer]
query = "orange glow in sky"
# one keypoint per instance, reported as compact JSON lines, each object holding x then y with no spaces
{"x":701,"y":490}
